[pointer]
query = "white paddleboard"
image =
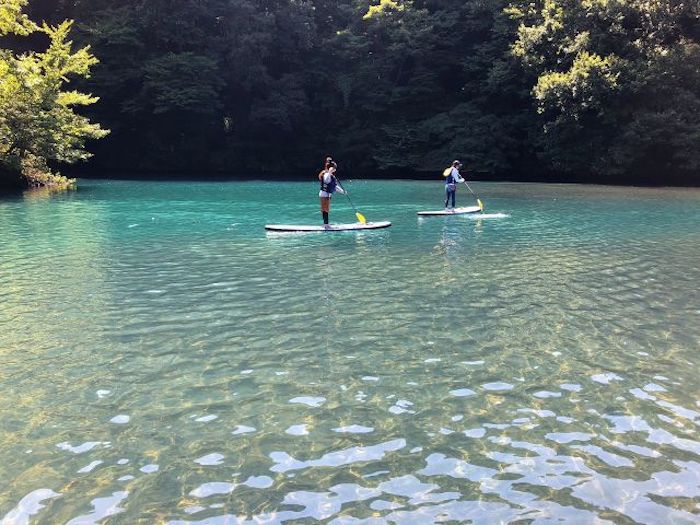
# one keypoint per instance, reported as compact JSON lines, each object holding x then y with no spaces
{"x":329,"y":228}
{"x":455,"y":211}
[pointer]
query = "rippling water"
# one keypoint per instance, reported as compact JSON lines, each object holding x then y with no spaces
{"x":165,"y":360}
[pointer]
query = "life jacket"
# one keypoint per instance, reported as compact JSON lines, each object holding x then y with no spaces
{"x":329,"y":187}
{"x":449,"y":179}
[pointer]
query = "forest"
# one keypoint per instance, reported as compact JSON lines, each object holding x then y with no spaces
{"x":555,"y":90}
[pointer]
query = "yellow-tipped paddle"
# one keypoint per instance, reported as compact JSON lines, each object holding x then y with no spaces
{"x":359,"y":216}
{"x":478,"y":200}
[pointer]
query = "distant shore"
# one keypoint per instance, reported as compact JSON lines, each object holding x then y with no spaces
{"x":396,"y":174}
{"x":16,"y":185}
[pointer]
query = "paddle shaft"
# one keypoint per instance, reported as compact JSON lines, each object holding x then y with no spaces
{"x":475,"y":195}
{"x":359,"y":216}
{"x":467,"y":185}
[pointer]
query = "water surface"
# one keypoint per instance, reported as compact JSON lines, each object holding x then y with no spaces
{"x":163,"y":359}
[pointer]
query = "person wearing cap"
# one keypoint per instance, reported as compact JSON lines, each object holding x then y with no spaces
{"x":329,"y":185}
{"x":452,"y":177}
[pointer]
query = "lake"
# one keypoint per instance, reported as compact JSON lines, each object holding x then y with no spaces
{"x":164,"y":359}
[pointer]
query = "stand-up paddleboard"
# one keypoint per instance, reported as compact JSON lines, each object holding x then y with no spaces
{"x":455,"y":211}
{"x":326,"y":228}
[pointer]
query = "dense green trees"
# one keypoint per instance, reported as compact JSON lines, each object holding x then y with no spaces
{"x":38,"y":125}
{"x":569,"y":89}
{"x":449,"y":87}
{"x":618,"y":87}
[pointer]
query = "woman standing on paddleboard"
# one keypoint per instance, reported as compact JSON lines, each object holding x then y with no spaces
{"x":452,"y":177}
{"x":329,"y":185}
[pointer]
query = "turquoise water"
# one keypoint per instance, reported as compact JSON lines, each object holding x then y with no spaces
{"x":163,"y":359}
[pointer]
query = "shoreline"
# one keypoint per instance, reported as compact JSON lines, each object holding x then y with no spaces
{"x":13,"y":190}
{"x":190,"y":176}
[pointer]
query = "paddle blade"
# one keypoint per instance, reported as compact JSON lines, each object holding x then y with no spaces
{"x":360,"y":217}
{"x":481,"y":204}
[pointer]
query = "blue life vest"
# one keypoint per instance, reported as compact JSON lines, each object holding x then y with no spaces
{"x":450,"y":182}
{"x":449,"y":178}
{"x":330,"y":186}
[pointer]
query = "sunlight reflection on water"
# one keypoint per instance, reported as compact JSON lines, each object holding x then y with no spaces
{"x":166,"y":361}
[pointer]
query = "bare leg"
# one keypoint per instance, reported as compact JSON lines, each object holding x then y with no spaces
{"x":325,"y":208}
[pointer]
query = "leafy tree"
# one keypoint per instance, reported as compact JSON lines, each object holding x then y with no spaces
{"x":38,"y":124}
{"x":13,"y":20}
{"x":618,"y":87}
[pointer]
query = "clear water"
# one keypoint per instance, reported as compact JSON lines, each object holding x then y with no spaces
{"x":165,"y":360}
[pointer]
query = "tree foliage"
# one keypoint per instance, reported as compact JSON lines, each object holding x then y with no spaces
{"x":618,"y":83}
{"x":38,"y":122}
{"x":584,"y":89}
{"x":13,"y":20}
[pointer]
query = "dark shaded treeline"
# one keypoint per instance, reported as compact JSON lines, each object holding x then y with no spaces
{"x":604,"y":91}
